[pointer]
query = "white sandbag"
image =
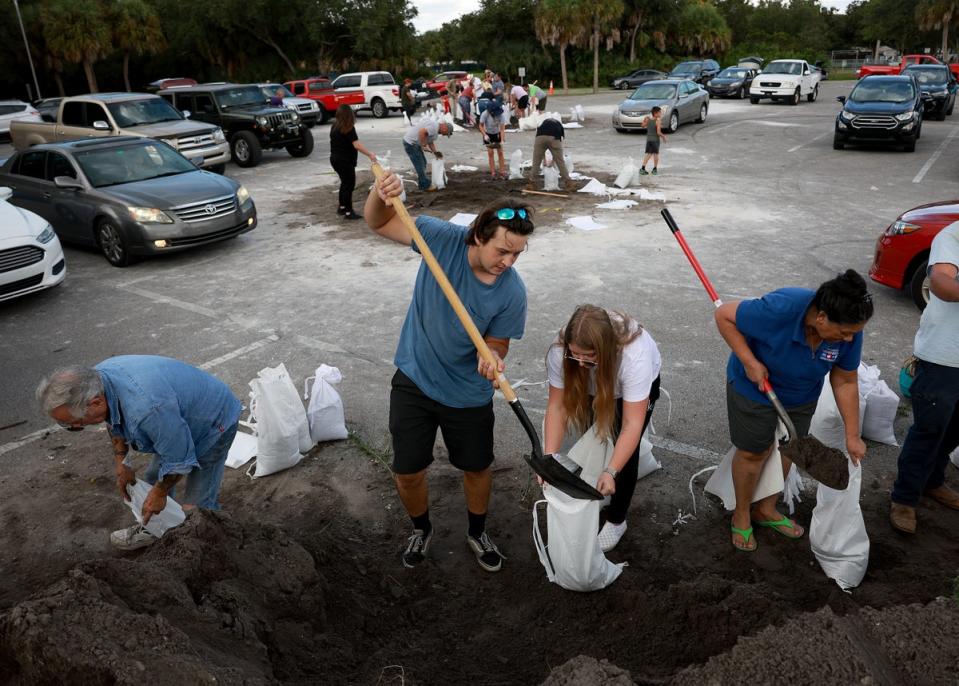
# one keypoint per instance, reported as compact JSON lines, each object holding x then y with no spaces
{"x":171,"y":516}
{"x":837,"y":532}
{"x":770,"y":479}
{"x":242,"y":450}
{"x":515,"y":164}
{"x":573,"y":115}
{"x":438,"y":176}
{"x":571,"y":554}
{"x":647,"y":461}
{"x":954,"y":457}
{"x":325,"y":412}
{"x":637,"y":177}
{"x":531,"y":122}
{"x":827,"y":424}
{"x":569,"y":163}
{"x":585,"y":223}
{"x":548,"y":159}
{"x":594,"y":187}
{"x":550,"y":178}
{"x":580,"y":113}
{"x":282,"y":429}
{"x":617,"y":205}
{"x":625,"y":176}
{"x":879,"y":418}
{"x":592,"y":455}
{"x":385,"y":163}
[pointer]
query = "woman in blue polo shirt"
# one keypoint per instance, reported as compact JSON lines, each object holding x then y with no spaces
{"x":793,"y":337}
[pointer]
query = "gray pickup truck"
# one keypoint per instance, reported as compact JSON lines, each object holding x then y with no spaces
{"x":127,"y":114}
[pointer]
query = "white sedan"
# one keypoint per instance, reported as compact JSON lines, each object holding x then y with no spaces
{"x":15,"y":109}
{"x":31,"y":258}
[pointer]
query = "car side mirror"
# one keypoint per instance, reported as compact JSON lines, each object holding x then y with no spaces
{"x":805,"y":72}
{"x":100,"y":125}
{"x":186,"y":114}
{"x":67,"y":183}
{"x":842,"y":99}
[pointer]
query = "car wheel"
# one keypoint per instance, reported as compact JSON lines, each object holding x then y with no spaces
{"x":304,"y":147}
{"x":619,"y":130}
{"x":910,"y":146}
{"x":742,"y":92}
{"x":941,"y":116}
{"x":112,"y":243}
{"x":753,"y":100}
{"x":919,"y":131}
{"x":673,"y":122}
{"x":703,"y":111}
{"x":794,"y":100}
{"x":951,"y":106}
{"x":624,"y":86}
{"x":919,"y":285}
{"x":380,"y":110}
{"x":217,"y":168}
{"x":324,"y":115}
{"x":837,"y":143}
{"x":246,"y":149}
{"x":815,"y":94}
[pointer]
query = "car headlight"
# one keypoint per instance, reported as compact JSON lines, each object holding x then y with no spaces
{"x":218,"y":136}
{"x":709,"y":83}
{"x":149,"y":215}
{"x":901,"y":228}
{"x":291,"y":106}
{"x":296,"y":117}
{"x":313,"y":106}
{"x":172,"y":142}
{"x":242,"y":195}
{"x":261,"y":121}
{"x":846,"y":115}
{"x":905,"y":116}
{"x":46,"y":235}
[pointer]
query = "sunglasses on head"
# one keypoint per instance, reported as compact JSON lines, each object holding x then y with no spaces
{"x":508,"y":213}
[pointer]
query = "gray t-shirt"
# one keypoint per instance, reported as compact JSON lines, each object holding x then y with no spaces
{"x":412,"y":135}
{"x":494,"y":124}
{"x":937,"y":340}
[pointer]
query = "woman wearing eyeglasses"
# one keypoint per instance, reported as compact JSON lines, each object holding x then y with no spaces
{"x":604,"y":369}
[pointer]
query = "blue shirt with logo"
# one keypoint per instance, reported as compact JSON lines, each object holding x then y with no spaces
{"x":168,"y":408}
{"x":435,"y":351}
{"x":774,"y":327}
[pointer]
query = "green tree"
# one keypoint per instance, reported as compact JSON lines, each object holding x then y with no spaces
{"x":603,"y":18}
{"x":77,"y":31}
{"x":559,"y":23}
{"x":701,"y":29}
{"x":645,"y":21}
{"x":136,"y":31}
{"x":939,"y":14}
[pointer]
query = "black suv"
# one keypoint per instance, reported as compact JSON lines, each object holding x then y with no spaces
{"x":881,"y":109}
{"x":699,"y":71}
{"x":249,"y":122}
{"x":936,"y":80}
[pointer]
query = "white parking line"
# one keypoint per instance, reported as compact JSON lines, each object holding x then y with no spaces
{"x":692,"y":451}
{"x":802,"y":145}
{"x":29,"y":438}
{"x":240,"y":351}
{"x":166,"y":299}
{"x":935,"y":156}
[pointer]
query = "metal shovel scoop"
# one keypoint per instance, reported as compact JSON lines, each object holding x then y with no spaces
{"x":545,"y":466}
{"x":826,"y":465}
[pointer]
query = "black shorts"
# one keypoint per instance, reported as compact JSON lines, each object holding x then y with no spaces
{"x":752,"y":425}
{"x":495,"y":140}
{"x":523,"y":102}
{"x":541,"y":104}
{"x":652,"y":147}
{"x":414,"y":418}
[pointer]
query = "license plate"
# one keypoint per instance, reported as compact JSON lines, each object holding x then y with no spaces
{"x":767,"y":92}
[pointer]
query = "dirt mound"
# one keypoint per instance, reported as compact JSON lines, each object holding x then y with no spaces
{"x":588,"y":671}
{"x":912,"y":644}
{"x":214,"y":601}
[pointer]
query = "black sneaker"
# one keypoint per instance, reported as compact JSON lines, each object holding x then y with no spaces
{"x":341,"y":210}
{"x":415,"y":552}
{"x":487,"y":554}
{"x":350,"y":215}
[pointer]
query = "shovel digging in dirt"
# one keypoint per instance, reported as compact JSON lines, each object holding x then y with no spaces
{"x":545,"y":466}
{"x":827,"y":465}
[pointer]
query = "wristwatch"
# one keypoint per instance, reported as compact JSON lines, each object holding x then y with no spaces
{"x":612,"y":472}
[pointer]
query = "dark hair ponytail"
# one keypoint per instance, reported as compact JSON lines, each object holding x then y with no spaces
{"x":845,"y":299}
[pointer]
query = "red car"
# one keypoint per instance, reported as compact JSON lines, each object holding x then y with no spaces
{"x":902,"y":251}
{"x":320,"y":89}
{"x":440,"y":82}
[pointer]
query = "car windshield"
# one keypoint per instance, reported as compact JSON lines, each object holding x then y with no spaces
{"x":791,"y":68}
{"x":130,"y":163}
{"x":927,"y":76}
{"x":654,"y":91}
{"x":270,"y":90}
{"x":141,"y":112}
{"x":733,"y":73}
{"x":882,"y":91}
{"x":238,"y":97}
{"x":687,"y":68}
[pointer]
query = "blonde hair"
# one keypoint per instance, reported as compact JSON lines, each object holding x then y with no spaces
{"x":605,"y":334}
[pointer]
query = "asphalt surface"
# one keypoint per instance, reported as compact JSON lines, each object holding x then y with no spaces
{"x":758,"y":191}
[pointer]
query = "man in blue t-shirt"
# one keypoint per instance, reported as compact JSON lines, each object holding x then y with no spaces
{"x":441,"y":382}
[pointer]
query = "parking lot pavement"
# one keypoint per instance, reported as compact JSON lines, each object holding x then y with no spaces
{"x":758,"y":191}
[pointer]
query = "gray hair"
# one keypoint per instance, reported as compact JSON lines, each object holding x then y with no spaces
{"x":72,"y":386}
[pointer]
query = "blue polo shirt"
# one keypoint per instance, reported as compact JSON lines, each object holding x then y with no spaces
{"x":168,"y":408}
{"x":435,"y":351}
{"x":775,"y":331}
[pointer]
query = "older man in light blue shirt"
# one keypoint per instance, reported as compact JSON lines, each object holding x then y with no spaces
{"x":183,"y":416}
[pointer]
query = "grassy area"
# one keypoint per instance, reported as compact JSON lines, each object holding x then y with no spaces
{"x":588,"y":90}
{"x":842,"y":75}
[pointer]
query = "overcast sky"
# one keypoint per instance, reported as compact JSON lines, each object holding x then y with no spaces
{"x":434,"y":13}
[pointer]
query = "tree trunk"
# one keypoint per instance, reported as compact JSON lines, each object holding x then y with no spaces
{"x":595,"y":55}
{"x":876,"y":55}
{"x":632,"y":44}
{"x":59,"y":81}
{"x":945,"y":39}
{"x":279,"y":51}
{"x":562,"y":67}
{"x":91,"y":76}
{"x":126,"y":70}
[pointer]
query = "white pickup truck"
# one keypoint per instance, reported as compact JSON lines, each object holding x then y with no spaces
{"x":126,"y":114}
{"x":380,"y":90}
{"x":787,"y":80}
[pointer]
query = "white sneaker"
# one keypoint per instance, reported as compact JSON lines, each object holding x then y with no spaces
{"x":610,"y":534}
{"x":132,"y":538}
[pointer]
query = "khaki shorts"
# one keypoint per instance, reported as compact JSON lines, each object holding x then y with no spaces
{"x":752,"y":425}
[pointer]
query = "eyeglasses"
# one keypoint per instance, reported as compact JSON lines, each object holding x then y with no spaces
{"x":583,"y":363}
{"x":508,"y":213}
{"x":69,"y":426}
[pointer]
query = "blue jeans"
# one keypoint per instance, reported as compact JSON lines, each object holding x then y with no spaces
{"x":203,"y":483}
{"x":934,"y":433}
{"x":415,"y":153}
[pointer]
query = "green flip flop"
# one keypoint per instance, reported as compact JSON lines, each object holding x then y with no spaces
{"x":746,"y":534}
{"x":778,"y":525}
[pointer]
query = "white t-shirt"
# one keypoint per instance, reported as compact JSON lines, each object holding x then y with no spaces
{"x":412,"y":135}
{"x":494,"y":124}
{"x":937,"y":340}
{"x":517,"y":92}
{"x":638,"y":368}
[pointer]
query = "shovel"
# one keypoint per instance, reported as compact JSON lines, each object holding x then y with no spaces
{"x":545,"y":466}
{"x":826,"y":465}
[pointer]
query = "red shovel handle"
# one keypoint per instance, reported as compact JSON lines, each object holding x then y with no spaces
{"x":713,"y":295}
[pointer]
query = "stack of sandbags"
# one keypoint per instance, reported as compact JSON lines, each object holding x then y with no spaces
{"x":882,"y":404}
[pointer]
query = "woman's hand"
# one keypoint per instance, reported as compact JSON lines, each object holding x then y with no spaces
{"x":606,"y":484}
{"x":373,"y":159}
{"x":856,"y":449}
{"x":756,"y":372}
{"x":389,"y":186}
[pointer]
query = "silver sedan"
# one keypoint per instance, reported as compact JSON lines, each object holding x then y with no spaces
{"x":681,"y":101}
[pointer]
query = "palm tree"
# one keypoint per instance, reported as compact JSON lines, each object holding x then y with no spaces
{"x":77,"y":31}
{"x":639,"y":15}
{"x":939,"y":14}
{"x":701,"y":29}
{"x":604,"y":18}
{"x":136,"y":31}
{"x":559,"y":23}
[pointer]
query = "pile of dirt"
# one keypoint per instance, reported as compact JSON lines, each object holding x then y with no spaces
{"x":213,"y":601}
{"x":583,"y":670}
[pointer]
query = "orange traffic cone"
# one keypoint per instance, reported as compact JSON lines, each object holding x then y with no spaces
{"x":550,"y":87}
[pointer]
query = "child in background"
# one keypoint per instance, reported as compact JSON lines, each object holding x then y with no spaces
{"x":654,"y":135}
{"x":492,"y":125}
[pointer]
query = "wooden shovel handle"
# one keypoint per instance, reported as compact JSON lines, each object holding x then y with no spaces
{"x":447,"y":288}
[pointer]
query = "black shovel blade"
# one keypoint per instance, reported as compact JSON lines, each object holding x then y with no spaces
{"x":826,"y":465}
{"x":547,"y":468}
